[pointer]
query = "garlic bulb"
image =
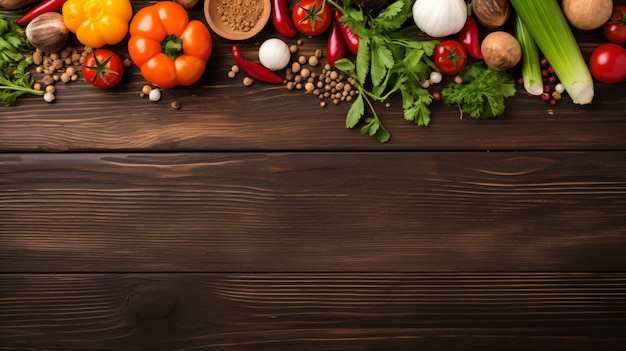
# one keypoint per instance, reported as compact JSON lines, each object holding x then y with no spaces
{"x":274,"y":54}
{"x":440,"y":18}
{"x":47,"y":32}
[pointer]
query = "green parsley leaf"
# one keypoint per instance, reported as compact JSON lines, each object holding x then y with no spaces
{"x":345,"y":65}
{"x":393,"y":16}
{"x":482,"y":93}
{"x":415,"y":101}
{"x":363,"y":60}
{"x":381,"y":60}
{"x":356,"y":111}
{"x":15,"y":80}
{"x":373,"y":127}
{"x":391,"y":57}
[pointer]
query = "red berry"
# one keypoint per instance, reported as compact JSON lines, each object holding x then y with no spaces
{"x":436,"y":96}
{"x":545,"y":97}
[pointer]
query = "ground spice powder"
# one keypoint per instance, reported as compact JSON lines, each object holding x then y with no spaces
{"x":240,"y":15}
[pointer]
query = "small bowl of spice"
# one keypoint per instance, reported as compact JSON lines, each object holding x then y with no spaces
{"x":237,"y":19}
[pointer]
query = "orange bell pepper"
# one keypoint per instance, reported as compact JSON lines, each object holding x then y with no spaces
{"x":98,"y":22}
{"x":169,"y":49}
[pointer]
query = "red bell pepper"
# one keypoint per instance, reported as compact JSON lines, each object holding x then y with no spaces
{"x":41,"y":8}
{"x":255,"y":70}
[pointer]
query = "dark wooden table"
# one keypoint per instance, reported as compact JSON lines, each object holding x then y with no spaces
{"x":252,"y":219}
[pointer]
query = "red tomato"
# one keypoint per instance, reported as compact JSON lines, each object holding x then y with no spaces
{"x":103,"y":68}
{"x":311,"y":17}
{"x":450,"y":57}
{"x":615,"y":29}
{"x":608,"y":63}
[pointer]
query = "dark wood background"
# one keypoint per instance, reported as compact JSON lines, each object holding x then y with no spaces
{"x":252,"y":219}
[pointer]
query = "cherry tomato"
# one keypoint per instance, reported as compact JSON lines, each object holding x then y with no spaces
{"x":450,"y":57}
{"x":615,"y":29}
{"x":608,"y":63}
{"x":311,"y":17}
{"x":103,"y":68}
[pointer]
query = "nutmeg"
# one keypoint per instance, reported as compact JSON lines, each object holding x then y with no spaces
{"x":47,"y":32}
{"x":15,"y":4}
{"x":188,"y":4}
{"x":491,"y":13}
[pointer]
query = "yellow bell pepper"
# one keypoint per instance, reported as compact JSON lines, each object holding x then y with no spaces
{"x":98,"y":22}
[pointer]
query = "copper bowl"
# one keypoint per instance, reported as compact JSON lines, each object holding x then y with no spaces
{"x":213,"y":15}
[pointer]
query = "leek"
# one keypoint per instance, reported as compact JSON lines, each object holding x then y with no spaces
{"x":531,"y":65}
{"x":550,"y":30}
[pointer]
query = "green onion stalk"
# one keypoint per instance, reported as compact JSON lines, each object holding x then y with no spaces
{"x":547,"y":25}
{"x":531,"y":62}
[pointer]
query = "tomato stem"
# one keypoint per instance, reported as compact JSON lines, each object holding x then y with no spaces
{"x":101,"y":69}
{"x":454,"y":56}
{"x":313,"y":14}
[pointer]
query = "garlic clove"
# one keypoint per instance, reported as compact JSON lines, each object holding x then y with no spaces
{"x":154,"y":95}
{"x":49,"y":97}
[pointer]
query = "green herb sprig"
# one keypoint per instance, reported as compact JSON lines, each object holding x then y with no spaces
{"x":391,"y":58}
{"x":15,"y":79}
{"x":482,"y":92}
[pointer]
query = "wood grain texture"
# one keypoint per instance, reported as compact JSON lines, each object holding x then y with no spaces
{"x":564,"y":311}
{"x":251,"y":219}
{"x":221,"y":114}
{"x":396,"y":211}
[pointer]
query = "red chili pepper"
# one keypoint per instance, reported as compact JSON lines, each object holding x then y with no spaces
{"x":282,"y":19}
{"x":41,"y":8}
{"x":336,"y":47}
{"x":470,"y":38}
{"x":351,"y":39}
{"x":255,"y":70}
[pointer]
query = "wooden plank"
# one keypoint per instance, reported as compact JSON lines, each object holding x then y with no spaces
{"x":221,"y":114}
{"x":555,"y":311}
{"x":264,"y":118}
{"x":401,"y":211}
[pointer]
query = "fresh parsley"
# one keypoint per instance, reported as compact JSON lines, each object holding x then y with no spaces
{"x":482,"y":92}
{"x":15,"y":79}
{"x":391,"y":58}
